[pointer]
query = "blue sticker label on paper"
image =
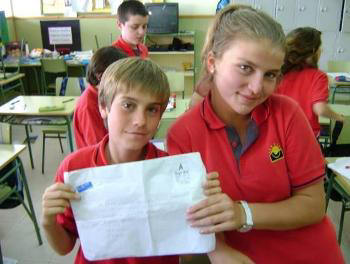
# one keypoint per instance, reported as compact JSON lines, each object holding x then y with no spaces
{"x":84,"y":187}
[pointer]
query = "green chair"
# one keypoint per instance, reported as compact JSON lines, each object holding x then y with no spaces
{"x":339,"y":66}
{"x":51,"y":69}
{"x":14,"y":188}
{"x":73,"y":88}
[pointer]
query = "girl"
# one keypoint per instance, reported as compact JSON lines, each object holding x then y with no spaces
{"x":272,"y":208}
{"x":302,"y":79}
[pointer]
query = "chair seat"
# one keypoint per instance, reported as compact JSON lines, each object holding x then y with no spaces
{"x":54,"y":130}
{"x":5,"y":191}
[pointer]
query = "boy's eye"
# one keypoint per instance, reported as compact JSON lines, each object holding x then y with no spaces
{"x":154,"y":109}
{"x":127,"y":105}
{"x":134,"y":27}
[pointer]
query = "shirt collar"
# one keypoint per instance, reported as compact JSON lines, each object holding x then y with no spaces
{"x":259,"y":113}
{"x":127,"y":46}
{"x":100,"y":158}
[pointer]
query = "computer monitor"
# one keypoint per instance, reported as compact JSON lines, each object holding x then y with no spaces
{"x":61,"y":34}
{"x":163,"y":18}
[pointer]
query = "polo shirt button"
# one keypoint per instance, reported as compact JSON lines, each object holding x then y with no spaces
{"x":234,"y":144}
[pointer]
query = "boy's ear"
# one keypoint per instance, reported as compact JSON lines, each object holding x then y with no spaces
{"x":119,"y":24}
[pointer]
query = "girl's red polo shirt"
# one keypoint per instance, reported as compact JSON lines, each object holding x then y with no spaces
{"x":285,"y":156}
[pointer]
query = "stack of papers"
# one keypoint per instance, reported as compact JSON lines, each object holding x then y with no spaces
{"x":139,"y":208}
{"x":341,"y":166}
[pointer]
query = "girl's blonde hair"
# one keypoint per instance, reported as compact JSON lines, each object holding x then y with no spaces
{"x":133,"y":73}
{"x":235,"y":22}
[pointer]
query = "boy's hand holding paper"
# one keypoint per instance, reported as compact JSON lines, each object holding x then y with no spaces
{"x":139,"y":208}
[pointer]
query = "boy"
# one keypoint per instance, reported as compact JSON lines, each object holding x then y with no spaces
{"x":132,"y":21}
{"x":133,"y":94}
{"x":89,"y":128}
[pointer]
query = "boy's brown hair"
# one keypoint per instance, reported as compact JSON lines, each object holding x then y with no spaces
{"x":101,"y":59}
{"x":133,"y":73}
{"x":130,"y":7}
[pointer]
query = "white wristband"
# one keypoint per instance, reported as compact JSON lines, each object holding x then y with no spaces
{"x":248,"y":225}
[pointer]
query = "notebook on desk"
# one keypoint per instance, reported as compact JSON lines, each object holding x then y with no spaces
{"x":50,"y":108}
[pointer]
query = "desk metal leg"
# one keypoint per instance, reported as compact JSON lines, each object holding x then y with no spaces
{"x":70,"y":135}
{"x":30,"y":203}
{"x":29,"y":147}
{"x":1,"y":261}
{"x":329,"y":187}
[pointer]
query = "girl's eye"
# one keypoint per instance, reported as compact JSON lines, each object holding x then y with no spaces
{"x":271,"y":75}
{"x":245,"y":68}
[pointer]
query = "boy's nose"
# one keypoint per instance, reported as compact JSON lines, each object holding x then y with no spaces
{"x":139,"y":118}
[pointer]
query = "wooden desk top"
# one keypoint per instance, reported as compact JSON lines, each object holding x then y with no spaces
{"x":29,"y":105}
{"x":9,"y":152}
{"x":11,"y":79}
{"x":181,"y":107}
{"x":339,"y":108}
{"x":344,"y":182}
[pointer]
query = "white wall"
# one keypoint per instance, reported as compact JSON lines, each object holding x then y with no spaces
{"x":31,"y":8}
{"x":5,"y":5}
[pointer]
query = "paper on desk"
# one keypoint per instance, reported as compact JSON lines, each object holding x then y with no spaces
{"x":342,"y":166}
{"x":138,"y":208}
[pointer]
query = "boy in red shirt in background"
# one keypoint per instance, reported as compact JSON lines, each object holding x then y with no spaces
{"x":133,"y":95}
{"x":89,"y":128}
{"x":132,"y":22}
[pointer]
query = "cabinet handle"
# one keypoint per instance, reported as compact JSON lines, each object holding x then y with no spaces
{"x":340,"y":50}
{"x":302,"y":8}
{"x":324,"y":9}
{"x":280,"y":8}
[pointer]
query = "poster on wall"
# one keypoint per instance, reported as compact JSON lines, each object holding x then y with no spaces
{"x":60,"y":35}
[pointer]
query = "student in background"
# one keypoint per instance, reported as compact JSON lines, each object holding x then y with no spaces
{"x":272,"y":205}
{"x":89,"y":128}
{"x":302,"y":80}
{"x":133,"y":95}
{"x":132,"y":21}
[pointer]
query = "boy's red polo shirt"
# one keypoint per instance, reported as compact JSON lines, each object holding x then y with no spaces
{"x":94,"y":156}
{"x":307,"y":86}
{"x":88,"y":124}
{"x":285,"y":156}
{"x":124,"y":46}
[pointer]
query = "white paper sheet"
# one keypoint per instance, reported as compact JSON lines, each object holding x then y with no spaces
{"x":138,"y":208}
{"x":342,"y":166}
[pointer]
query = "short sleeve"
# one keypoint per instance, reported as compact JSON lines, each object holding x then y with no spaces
{"x":305,"y":163}
{"x":320,"y":88}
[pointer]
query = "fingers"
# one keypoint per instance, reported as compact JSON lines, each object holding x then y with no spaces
{"x":211,"y":185}
{"x":205,"y":203}
{"x":55,"y":200}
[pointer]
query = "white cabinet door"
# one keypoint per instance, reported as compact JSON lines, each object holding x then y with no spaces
{"x":343,"y":47}
{"x":328,"y":49}
{"x":285,"y":12}
{"x":329,"y":14}
{"x":346,"y":17}
{"x":306,"y":13}
{"x":268,"y":6}
{"x":243,"y":2}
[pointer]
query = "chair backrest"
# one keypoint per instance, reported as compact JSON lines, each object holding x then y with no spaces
{"x":338,"y":66}
{"x":73,"y":87}
{"x":5,"y":133}
{"x":53,"y":65}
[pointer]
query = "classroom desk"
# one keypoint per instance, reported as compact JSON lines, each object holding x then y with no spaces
{"x":75,"y":68}
{"x":336,"y":86}
{"x":9,"y":152}
{"x":11,"y":78}
{"x":24,"y":110}
{"x":342,"y":185}
{"x":339,"y":108}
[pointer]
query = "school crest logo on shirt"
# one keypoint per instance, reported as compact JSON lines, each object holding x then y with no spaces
{"x":276,"y":153}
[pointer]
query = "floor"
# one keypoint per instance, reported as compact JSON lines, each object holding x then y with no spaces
{"x":17,"y":236}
